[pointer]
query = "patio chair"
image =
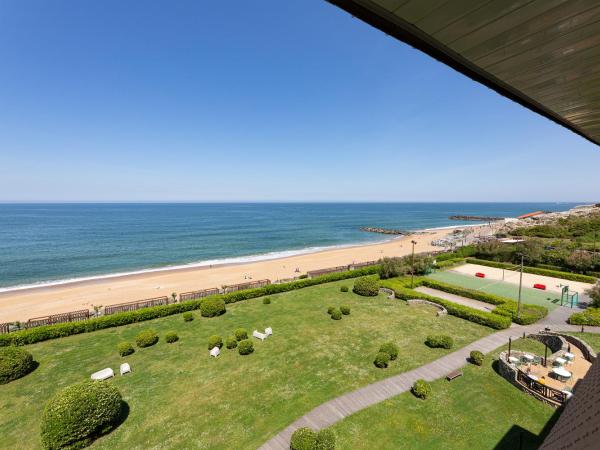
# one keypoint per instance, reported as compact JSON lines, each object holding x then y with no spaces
{"x":269,"y":331}
{"x":125,"y":368}
{"x":215,"y":352}
{"x":259,"y":335}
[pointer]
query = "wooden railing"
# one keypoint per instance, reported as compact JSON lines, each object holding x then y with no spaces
{"x":541,"y":389}
{"x":4,"y":328}
{"x":193,"y":295}
{"x":73,"y":316}
{"x":361,"y":264}
{"x":133,"y":306}
{"x":316,"y":273}
{"x":249,"y":285}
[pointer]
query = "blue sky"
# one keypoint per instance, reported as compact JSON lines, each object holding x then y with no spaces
{"x":264,"y":100}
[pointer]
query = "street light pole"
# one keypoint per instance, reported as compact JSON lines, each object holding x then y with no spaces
{"x":412,"y":265}
{"x":520,"y":287}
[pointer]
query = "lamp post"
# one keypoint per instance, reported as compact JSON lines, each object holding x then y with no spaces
{"x":412,"y":263}
{"x":520,"y":288}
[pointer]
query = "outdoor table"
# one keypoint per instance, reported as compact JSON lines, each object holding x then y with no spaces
{"x":560,"y":361}
{"x":561,"y":373}
{"x":569,"y":356}
{"x":513,"y":359}
{"x":528,"y":357}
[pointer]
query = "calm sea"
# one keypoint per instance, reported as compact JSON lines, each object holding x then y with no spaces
{"x":42,"y":243}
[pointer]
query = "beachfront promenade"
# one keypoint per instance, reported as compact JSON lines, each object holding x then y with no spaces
{"x":345,"y":405}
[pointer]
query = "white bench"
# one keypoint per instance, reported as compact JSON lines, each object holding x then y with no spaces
{"x":103,"y":374}
{"x":259,"y":335}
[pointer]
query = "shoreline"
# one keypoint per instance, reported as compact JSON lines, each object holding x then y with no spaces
{"x":214,"y":263}
{"x":22,"y":304}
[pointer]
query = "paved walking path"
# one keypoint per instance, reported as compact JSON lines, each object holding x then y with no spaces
{"x":482,"y":306}
{"x":343,"y":406}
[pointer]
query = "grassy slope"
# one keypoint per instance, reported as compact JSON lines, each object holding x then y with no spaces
{"x":592,"y":339}
{"x":180,"y":398}
{"x":475,"y":411}
{"x":532,"y":296}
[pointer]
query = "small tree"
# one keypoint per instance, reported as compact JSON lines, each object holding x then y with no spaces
{"x":580,"y":261}
{"x":174,"y":296}
{"x":97,"y":309}
{"x":392,"y":267}
{"x":594,"y":294}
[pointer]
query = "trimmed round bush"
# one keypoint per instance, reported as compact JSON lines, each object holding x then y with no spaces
{"x":330,"y":309}
{"x":439,"y":341}
{"x":231,"y":342}
{"x":188,"y":316}
{"x":245,"y":347}
{"x":343,"y":288}
{"x":15,"y":362}
{"x":267,"y":301}
{"x":241,"y":334}
{"x":325,"y":440}
{"x":345,"y":310}
{"x":367,"y":287}
{"x":303,"y":439}
{"x":77,"y":415}
{"x":212,"y":307}
{"x":336,"y":314}
{"x":171,"y":337}
{"x":382,"y":360}
{"x":421,"y":389}
{"x":391,"y":349}
{"x":125,"y":348}
{"x":477,"y":357}
{"x":215,"y":341}
{"x":146,"y":338}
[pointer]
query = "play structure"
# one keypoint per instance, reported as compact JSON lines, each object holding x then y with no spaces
{"x":568,"y":298}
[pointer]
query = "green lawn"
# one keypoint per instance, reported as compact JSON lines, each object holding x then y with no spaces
{"x":180,"y":398}
{"x":480,"y":410}
{"x":592,"y":339}
{"x":532,"y":296}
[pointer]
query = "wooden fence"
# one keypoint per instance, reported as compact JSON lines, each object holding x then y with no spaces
{"x":193,"y":295}
{"x":73,"y":316}
{"x":362,"y":264}
{"x":4,"y":328}
{"x":316,"y":273}
{"x":249,"y":285}
{"x":541,"y":389}
{"x":133,"y":306}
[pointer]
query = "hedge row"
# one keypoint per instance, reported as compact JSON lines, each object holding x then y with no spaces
{"x":464,"y":292}
{"x":504,"y":306}
{"x":447,"y":263}
{"x":48,"y":332}
{"x":591,"y":317}
{"x":536,"y":270}
{"x":495,"y":321}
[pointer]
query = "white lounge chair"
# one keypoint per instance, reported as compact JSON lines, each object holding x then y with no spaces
{"x":125,"y":368}
{"x":103,"y":374}
{"x":215,"y":352}
{"x":269,"y":331}
{"x":259,"y":335}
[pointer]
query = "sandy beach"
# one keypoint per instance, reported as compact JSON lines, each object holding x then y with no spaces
{"x":41,"y":301}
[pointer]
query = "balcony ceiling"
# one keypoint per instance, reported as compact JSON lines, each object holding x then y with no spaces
{"x":543,"y":54}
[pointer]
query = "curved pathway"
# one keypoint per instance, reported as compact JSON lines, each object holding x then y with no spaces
{"x":343,"y":406}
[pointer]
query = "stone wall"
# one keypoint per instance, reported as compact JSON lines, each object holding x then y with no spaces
{"x":441,"y":310}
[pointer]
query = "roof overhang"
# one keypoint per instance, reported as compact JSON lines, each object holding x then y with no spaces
{"x":543,"y":54}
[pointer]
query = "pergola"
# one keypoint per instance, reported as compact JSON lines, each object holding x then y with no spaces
{"x":543,"y":54}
